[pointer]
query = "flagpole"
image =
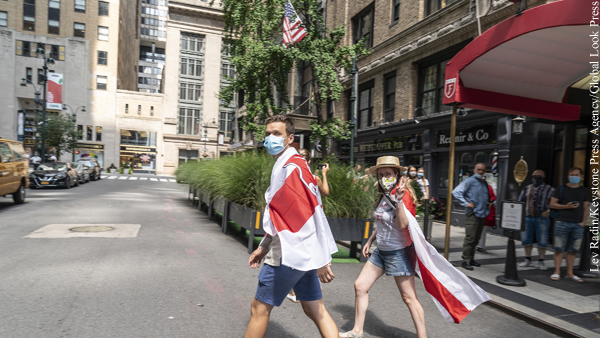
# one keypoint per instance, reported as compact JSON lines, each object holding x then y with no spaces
{"x":450,"y":181}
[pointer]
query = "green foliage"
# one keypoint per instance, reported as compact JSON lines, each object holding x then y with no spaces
{"x":253,"y":30}
{"x":62,"y":134}
{"x":417,"y":188}
{"x":333,"y":128}
{"x":245,"y":178}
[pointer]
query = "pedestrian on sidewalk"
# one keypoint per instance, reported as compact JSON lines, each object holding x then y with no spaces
{"x":572,"y":202}
{"x":490,"y":219}
{"x":423,"y":183}
{"x":473,"y":194}
{"x":537,"y":197}
{"x":298,"y":243}
{"x":395,"y":255}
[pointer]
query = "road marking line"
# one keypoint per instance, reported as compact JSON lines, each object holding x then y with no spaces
{"x":173,"y":181}
{"x":153,"y":179}
{"x":164,"y":180}
{"x":133,"y":178}
{"x":111,"y":177}
{"x":143,"y":178}
{"x":123,"y":177}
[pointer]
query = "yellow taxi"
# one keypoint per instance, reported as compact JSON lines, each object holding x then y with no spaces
{"x":14,"y":170}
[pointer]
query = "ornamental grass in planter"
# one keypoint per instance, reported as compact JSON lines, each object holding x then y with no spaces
{"x":244,"y":178}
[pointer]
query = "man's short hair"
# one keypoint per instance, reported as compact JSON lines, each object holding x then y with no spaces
{"x":576,"y":168}
{"x":289,"y":126}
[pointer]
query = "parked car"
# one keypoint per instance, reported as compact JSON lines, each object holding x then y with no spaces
{"x":14,"y":170}
{"x":83,"y":171}
{"x":93,"y":164}
{"x":54,"y":174}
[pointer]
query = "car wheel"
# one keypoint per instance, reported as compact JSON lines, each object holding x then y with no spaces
{"x":19,"y":195}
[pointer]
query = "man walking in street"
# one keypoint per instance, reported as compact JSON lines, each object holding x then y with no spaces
{"x":298,"y":245}
{"x":572,"y":202}
{"x":473,"y":194}
{"x":536,"y":197}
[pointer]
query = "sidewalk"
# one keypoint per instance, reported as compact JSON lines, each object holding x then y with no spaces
{"x":557,"y":306}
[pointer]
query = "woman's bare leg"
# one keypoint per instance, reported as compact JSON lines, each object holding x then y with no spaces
{"x":406,"y":285}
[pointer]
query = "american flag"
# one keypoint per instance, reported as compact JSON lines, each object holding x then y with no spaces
{"x":293,"y":32}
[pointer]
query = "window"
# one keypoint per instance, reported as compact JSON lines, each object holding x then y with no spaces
{"x":432,"y":6}
{"x":126,"y":108}
{"x":363,"y":27}
{"x":101,"y":82}
{"x":330,"y":109}
{"x":102,"y":33}
{"x":226,"y":122}
{"x":389,"y":103}
{"x":102,"y":57}
{"x":54,"y":52}
{"x":29,"y":15}
{"x":89,"y":132}
{"x":3,"y":19}
{"x":40,"y":76}
{"x":151,"y":110}
{"x":395,"y":11}
{"x":98,"y":133}
{"x":431,"y":79}
{"x":80,"y":6}
{"x":139,"y":110}
{"x":53,"y":16}
{"x":190,"y":91}
{"x":28,"y":74}
{"x":189,"y":121}
{"x":26,"y":48}
{"x":306,"y":105}
{"x":103,"y":8}
{"x":5,"y":153}
{"x":365,"y":105}
{"x":187,"y":155}
{"x":79,"y":30}
{"x":80,"y":132}
{"x":192,"y":43}
{"x":191,"y":67}
{"x":227,"y":69}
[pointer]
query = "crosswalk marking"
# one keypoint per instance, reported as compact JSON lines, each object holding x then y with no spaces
{"x":173,"y":181}
{"x":123,"y":177}
{"x":143,"y":178}
{"x":164,"y":180}
{"x":153,"y":179}
{"x":137,"y":178}
{"x":133,"y":178}
{"x":111,"y":177}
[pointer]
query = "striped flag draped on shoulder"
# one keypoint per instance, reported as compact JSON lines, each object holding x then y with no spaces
{"x":293,"y":31}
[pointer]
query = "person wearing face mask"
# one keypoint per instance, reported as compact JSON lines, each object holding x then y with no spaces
{"x":473,"y":194}
{"x":423,"y":183}
{"x":412,"y":172}
{"x":395,"y":254}
{"x":572,"y":202}
{"x":537,"y":197}
{"x":298,"y":244}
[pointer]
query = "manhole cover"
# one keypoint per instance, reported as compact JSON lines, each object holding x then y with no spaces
{"x":92,"y":229}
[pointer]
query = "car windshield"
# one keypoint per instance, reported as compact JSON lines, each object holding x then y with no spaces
{"x":53,"y":166}
{"x":88,"y":163}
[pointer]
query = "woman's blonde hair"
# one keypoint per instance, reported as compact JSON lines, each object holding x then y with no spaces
{"x":304,"y":153}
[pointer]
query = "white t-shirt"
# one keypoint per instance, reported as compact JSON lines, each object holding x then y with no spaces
{"x":420,"y":180}
{"x":36,"y":159}
{"x":389,"y":236}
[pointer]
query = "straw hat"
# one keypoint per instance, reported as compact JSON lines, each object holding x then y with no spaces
{"x":387,"y":162}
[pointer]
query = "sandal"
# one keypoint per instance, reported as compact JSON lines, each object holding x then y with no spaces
{"x":555,"y":276}
{"x":349,"y":334}
{"x":575,"y":279}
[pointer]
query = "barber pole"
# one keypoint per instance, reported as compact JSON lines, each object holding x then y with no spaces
{"x":495,"y":164}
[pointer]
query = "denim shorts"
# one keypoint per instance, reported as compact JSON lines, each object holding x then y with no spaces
{"x":397,"y":262}
{"x":537,"y":226}
{"x":275,"y":282}
{"x":567,"y":236}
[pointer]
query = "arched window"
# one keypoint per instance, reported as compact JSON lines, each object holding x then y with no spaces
{"x":480,"y":157}
{"x":466,"y":158}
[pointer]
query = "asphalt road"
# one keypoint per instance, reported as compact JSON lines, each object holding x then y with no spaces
{"x":179,"y":277}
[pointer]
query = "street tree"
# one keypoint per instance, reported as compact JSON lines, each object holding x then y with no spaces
{"x":253,"y":34}
{"x":62,"y":134}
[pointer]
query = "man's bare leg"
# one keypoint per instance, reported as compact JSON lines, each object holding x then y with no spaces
{"x":316,"y":311}
{"x":260,"y":319}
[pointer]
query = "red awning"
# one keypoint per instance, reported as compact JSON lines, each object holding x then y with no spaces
{"x":526,"y":64}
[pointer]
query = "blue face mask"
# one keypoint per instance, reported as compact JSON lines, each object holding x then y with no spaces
{"x":477,"y":176}
{"x":419,"y":175}
{"x":274,"y":144}
{"x":404,"y":172}
{"x":574,"y":179}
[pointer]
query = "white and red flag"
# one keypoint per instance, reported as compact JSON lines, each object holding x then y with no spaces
{"x":293,"y":31}
{"x":454,"y":293}
{"x":294,"y":212}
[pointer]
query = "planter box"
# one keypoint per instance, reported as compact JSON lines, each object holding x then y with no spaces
{"x":353,"y":230}
{"x":248,"y":219}
{"x":113,"y":171}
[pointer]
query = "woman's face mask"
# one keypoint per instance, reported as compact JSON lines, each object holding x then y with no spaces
{"x":388,"y":182}
{"x":420,"y":175}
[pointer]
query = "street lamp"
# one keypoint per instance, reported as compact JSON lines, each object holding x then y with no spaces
{"x":517,"y":125}
{"x":205,"y":137}
{"x":24,"y":83}
{"x":74,"y":113}
{"x":353,"y":107}
{"x":47,"y":61}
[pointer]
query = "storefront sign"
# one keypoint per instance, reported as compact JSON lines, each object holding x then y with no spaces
{"x":20,"y":125}
{"x":54,"y":92}
{"x":485,"y":134}
{"x":139,"y":149}
{"x":520,"y":171}
{"x":28,"y":141}
{"x":90,"y":146}
{"x":513,"y":216}
{"x":391,"y":144}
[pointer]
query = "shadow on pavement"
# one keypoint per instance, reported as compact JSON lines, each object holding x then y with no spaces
{"x":374,"y":327}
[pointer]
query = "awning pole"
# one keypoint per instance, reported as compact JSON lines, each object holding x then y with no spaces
{"x":450,"y":181}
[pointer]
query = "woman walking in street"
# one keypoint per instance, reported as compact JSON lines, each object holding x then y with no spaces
{"x":395,"y":254}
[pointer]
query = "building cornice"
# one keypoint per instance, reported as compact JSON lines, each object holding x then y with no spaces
{"x":194,"y":10}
